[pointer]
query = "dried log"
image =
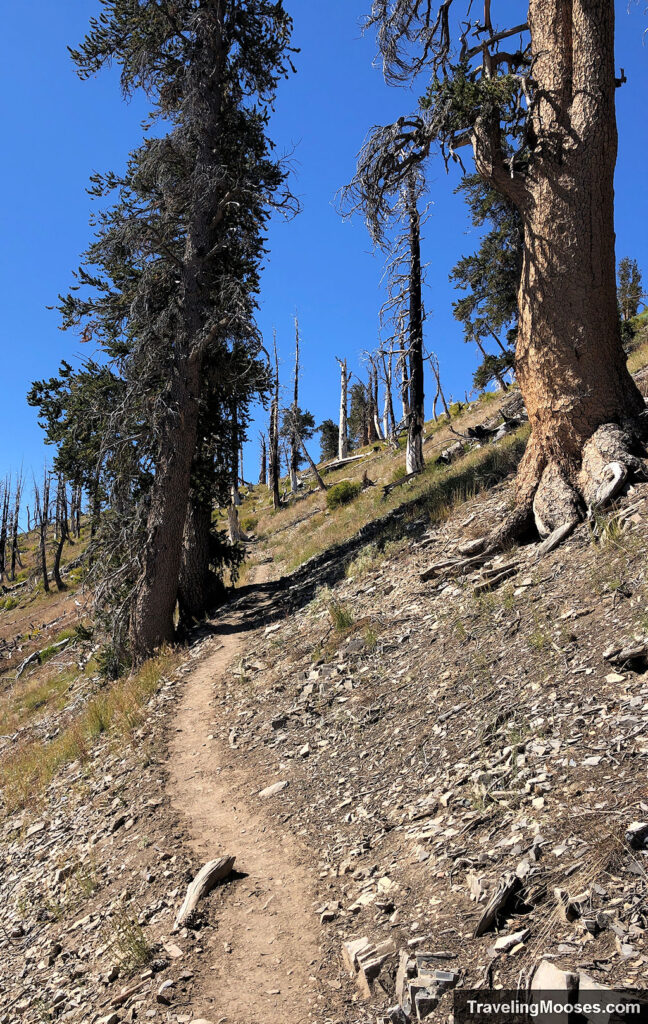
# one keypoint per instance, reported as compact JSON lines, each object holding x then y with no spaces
{"x":208,"y":876}
{"x":509,"y":886}
{"x":36,"y":656}
{"x":341,"y":463}
{"x":398,"y":483}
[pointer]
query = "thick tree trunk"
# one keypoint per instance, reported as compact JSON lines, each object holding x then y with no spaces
{"x":570,"y":362}
{"x":195,"y":585}
{"x":581,"y":400}
{"x":343,"y":432}
{"x":414,"y":449}
{"x":153,"y":612}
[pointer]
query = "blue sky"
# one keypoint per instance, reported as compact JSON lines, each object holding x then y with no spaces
{"x":58,"y":130}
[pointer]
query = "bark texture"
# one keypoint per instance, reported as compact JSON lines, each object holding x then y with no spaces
{"x":414,"y":449}
{"x":194,"y":591}
{"x":570,"y":362}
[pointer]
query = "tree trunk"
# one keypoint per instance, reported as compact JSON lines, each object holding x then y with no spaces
{"x":293,"y":464}
{"x":570,"y":363}
{"x":62,"y":532}
{"x":4,"y":526}
{"x":263,"y":468}
{"x":343,"y":434}
{"x":274,"y":432}
{"x":414,"y":449}
{"x":195,"y":585}
{"x":320,"y":483}
{"x":157,"y":592}
{"x":153,"y":612}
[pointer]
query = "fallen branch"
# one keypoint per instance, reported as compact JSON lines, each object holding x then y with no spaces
{"x":37,"y":656}
{"x":398,"y":483}
{"x":208,"y":876}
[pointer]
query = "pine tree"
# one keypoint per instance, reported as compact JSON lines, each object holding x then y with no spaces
{"x":629,"y":290}
{"x":329,"y":440}
{"x":171,"y":281}
{"x":491,"y":278}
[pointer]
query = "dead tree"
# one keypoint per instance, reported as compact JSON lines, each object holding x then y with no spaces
{"x":274,"y":432}
{"x":263,"y":468}
{"x":414,"y":450}
{"x":4,"y":524}
{"x":343,"y":436}
{"x":293,"y":462}
{"x":62,"y":530}
{"x":15,"y":527}
{"x":41,"y":519}
{"x":387,"y":363}
{"x":434,"y":363}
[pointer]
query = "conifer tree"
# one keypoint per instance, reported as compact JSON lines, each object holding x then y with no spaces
{"x":535,"y":100}
{"x":171,"y":282}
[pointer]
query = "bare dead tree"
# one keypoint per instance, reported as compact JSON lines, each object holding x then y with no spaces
{"x":263,"y":467}
{"x":15,"y":527}
{"x":293,"y":464}
{"x":434,"y":364}
{"x":62,"y":530}
{"x":274,"y":432}
{"x":5,"y":498}
{"x":387,"y":366}
{"x":343,"y":434}
{"x":41,"y":520}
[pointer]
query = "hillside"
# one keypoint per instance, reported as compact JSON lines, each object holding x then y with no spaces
{"x":435,"y":735}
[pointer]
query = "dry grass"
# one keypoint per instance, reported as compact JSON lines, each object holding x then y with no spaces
{"x":304,"y":529}
{"x":26,"y":771}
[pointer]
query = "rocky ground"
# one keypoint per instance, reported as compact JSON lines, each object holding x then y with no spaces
{"x":443,"y":765}
{"x":451,"y":744}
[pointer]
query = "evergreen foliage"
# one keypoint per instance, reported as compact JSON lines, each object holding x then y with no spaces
{"x":167,"y":290}
{"x":329,"y":437}
{"x":491,"y":278}
{"x":629,"y":291}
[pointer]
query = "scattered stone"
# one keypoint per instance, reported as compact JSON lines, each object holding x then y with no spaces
{"x":277,"y":787}
{"x":505,"y":943}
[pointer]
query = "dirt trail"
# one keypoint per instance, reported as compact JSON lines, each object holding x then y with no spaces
{"x":266,"y":945}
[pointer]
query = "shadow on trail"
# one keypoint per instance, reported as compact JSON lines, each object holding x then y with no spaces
{"x":261,"y":604}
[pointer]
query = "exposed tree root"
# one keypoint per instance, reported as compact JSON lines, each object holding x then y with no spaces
{"x":555,"y":497}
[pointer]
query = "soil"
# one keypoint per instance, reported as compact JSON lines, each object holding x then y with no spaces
{"x":268,"y":939}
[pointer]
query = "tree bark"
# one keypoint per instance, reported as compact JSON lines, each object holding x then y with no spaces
{"x":343,"y":435}
{"x":570,"y":362}
{"x":294,"y":439}
{"x":195,"y":584}
{"x":320,"y":483}
{"x":414,"y":449}
{"x":263,"y":468}
{"x":63,"y":533}
{"x":153,"y":612}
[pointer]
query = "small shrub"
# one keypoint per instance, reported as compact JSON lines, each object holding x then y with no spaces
{"x":398,"y":474}
{"x":129,"y":942}
{"x":342,"y":493}
{"x":11,"y":602}
{"x":341,"y":617}
{"x":249,"y":523}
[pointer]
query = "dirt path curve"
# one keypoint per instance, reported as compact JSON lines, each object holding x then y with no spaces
{"x":266,"y":944}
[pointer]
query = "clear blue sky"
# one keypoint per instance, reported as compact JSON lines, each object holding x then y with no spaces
{"x":58,"y":130}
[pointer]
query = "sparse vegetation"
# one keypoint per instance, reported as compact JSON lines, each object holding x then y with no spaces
{"x":342,"y":493}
